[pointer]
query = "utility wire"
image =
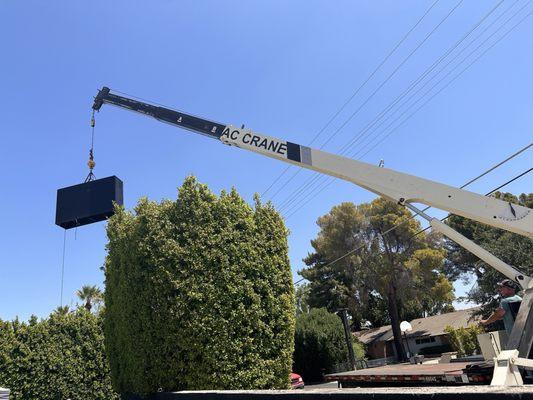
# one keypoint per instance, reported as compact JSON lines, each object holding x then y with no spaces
{"x":443,"y":219}
{"x":430,"y":70}
{"x":498,"y":165}
{"x":527,"y":171}
{"x":459,"y":73}
{"x":354,"y":94}
{"x":393,"y":73}
{"x":314,"y":178}
{"x":307,"y":198}
{"x":374,"y":92}
{"x":452,"y":70}
{"x":291,"y":198}
{"x":329,"y":181}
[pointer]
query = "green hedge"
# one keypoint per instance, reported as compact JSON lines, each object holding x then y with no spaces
{"x":60,"y":357}
{"x":199,"y":295}
{"x":464,"y":340}
{"x":319,"y":344}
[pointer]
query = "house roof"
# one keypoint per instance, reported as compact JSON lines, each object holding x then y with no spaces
{"x":429,"y":326}
{"x":371,"y":335}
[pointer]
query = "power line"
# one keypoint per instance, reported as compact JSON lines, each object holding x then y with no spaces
{"x":363,"y":85}
{"x":311,"y":195}
{"x":453,"y":69}
{"x":432,"y":68}
{"x":291,"y":198}
{"x":510,"y":181}
{"x":355,"y":93}
{"x":497,"y":165}
{"x":443,"y":219}
{"x":317,"y":191}
{"x":393,"y":73}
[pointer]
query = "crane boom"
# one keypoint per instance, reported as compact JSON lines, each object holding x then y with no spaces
{"x":393,"y":185}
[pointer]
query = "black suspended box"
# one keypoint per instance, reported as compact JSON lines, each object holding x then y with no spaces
{"x":88,"y":202}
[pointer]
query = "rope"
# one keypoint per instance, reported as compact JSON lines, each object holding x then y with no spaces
{"x":63,"y":267}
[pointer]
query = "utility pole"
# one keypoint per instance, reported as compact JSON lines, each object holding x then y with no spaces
{"x":343,"y":313}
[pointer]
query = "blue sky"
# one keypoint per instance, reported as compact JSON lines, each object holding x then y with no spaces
{"x":280,"y":67}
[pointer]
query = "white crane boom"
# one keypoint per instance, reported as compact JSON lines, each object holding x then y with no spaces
{"x":393,"y":185}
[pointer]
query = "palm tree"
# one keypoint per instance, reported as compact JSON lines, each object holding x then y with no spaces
{"x":62,"y":310}
{"x":90,"y":295}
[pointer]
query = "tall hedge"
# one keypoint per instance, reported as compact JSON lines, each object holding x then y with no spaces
{"x":319,"y":344}
{"x":60,"y":357}
{"x":199,"y":294}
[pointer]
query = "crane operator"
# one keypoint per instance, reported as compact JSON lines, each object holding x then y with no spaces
{"x":509,"y":303}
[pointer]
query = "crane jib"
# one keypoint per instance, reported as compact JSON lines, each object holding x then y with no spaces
{"x":196,"y":124}
{"x":186,"y":121}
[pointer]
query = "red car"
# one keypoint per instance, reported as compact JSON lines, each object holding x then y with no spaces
{"x":296,"y":381}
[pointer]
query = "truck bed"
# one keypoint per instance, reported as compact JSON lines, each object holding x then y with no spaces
{"x":456,"y":373}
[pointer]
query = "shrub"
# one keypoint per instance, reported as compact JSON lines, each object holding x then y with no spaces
{"x":319,"y":344}
{"x":464,"y":340}
{"x":56,"y":358}
{"x":199,"y":295}
{"x":358,"y":349}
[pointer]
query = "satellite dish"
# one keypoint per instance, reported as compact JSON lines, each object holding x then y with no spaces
{"x":405,"y":326}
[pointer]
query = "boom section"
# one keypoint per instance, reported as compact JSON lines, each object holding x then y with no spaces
{"x":393,"y":185}
{"x":185,"y":121}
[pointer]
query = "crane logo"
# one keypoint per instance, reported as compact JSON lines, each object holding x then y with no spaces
{"x":239,"y":137}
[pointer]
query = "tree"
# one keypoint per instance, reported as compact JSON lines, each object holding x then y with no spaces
{"x":302,"y":299}
{"x":62,"y":310}
{"x":199,"y":294}
{"x":319,"y":344}
{"x":433,"y":300}
{"x":339,"y":285}
{"x":398,"y":272}
{"x":91,"y":295}
{"x":512,"y":248}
